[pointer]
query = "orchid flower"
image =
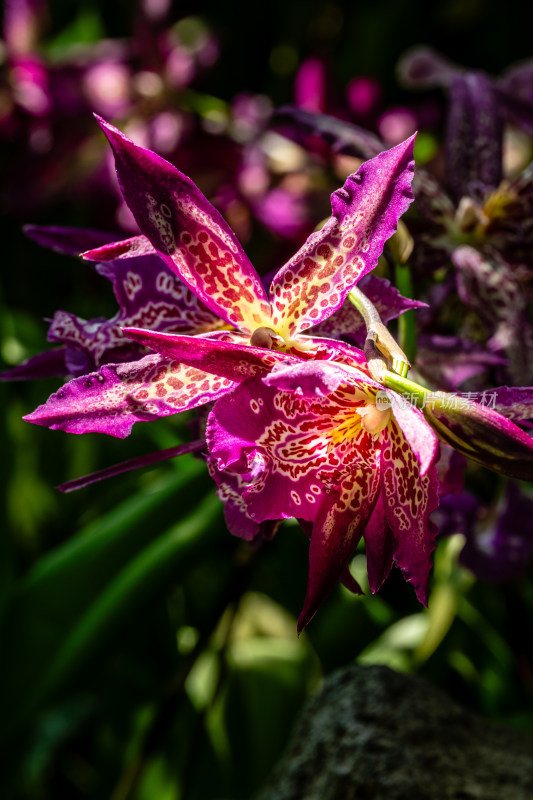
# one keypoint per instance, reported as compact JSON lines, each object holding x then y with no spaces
{"x":195,"y":242}
{"x":324,"y":442}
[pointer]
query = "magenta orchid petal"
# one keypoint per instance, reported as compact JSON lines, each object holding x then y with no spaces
{"x":263,"y":436}
{"x":420,"y":437}
{"x":230,"y":356}
{"x":341,"y":520}
{"x":133,"y":463}
{"x":451,"y":468}
{"x":379,"y":547}
{"x":123,"y":249}
{"x":481,"y":434}
{"x":191,"y":236}
{"x":148,"y":294}
{"x":112,"y":400}
{"x":408,"y":500}
{"x":230,"y":487}
{"x":365,"y":213}
{"x":49,"y":364}
{"x":325,"y":349}
{"x":70,"y":241}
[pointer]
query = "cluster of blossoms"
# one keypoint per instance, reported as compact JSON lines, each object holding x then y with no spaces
{"x":301,"y":424}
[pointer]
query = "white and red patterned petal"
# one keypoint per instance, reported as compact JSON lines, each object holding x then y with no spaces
{"x":408,"y":500}
{"x":418,"y":434}
{"x":113,"y":399}
{"x":365,"y":212}
{"x":343,"y":514}
{"x":189,"y":233}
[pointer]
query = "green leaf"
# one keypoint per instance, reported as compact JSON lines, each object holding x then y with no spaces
{"x":67,"y":611}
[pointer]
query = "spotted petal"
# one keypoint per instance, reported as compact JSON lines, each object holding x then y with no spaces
{"x":365,"y":212}
{"x":191,"y":236}
{"x":342,"y":517}
{"x":149,"y":295}
{"x":348,"y":322}
{"x":269,"y":441}
{"x":408,"y":500}
{"x":418,"y":434}
{"x":113,"y":399}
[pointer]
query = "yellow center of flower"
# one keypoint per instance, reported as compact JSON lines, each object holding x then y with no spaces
{"x":368,"y":416}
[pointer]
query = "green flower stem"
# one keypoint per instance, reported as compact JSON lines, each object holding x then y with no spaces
{"x":417,"y":394}
{"x":378,"y":334}
{"x":406,"y":322}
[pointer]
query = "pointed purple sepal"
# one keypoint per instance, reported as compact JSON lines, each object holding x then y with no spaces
{"x":133,"y":463}
{"x":191,"y":236}
{"x":365,"y":213}
{"x":112,"y":400}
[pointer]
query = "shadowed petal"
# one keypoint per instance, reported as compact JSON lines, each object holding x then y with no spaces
{"x":379,"y":547}
{"x":70,"y":241}
{"x":342,"y":137}
{"x":49,"y":364}
{"x":365,"y":213}
{"x":502,"y":551}
{"x":112,"y":400}
{"x":421,"y":67}
{"x":151,"y":296}
{"x":475,"y":135}
{"x":348,"y":322}
{"x":191,"y":236}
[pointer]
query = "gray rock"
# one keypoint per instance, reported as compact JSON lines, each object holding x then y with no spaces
{"x":375,"y":734}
